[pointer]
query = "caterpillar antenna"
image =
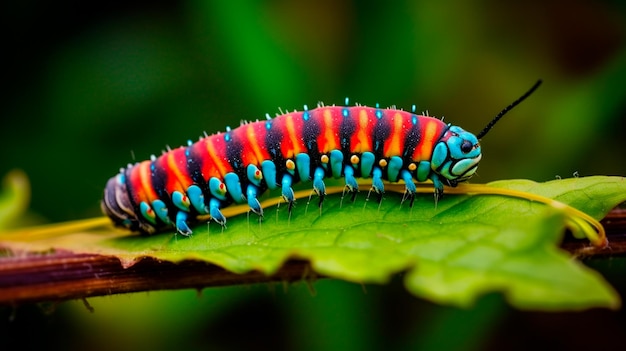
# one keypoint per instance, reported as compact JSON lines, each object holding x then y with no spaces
{"x":507,"y":109}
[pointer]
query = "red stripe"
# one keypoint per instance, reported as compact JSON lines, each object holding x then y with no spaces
{"x":140,"y":183}
{"x":431,"y":131}
{"x":212,"y":149}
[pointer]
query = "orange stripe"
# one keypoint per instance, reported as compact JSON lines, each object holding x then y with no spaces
{"x":393,"y":147}
{"x":213,"y":154}
{"x":176,"y":178}
{"x":329,"y":131}
{"x":293,"y":137}
{"x":424,"y":150}
{"x":363,"y":137}
{"x":146,"y":192}
{"x":252,"y":138}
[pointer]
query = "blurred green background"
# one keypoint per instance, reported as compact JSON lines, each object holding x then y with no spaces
{"x":90,"y":87}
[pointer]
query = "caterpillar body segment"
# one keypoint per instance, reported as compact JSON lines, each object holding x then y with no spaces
{"x":309,"y":146}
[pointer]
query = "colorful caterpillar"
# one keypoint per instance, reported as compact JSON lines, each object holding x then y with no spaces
{"x":328,"y":141}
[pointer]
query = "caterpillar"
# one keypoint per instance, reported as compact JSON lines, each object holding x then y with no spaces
{"x":237,"y":166}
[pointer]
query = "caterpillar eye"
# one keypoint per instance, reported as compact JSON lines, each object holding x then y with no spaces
{"x":466,"y":146}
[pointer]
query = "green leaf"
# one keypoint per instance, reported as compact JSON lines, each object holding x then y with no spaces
{"x":465,"y":247}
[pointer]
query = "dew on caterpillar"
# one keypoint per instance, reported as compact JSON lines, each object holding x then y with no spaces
{"x":237,"y":166}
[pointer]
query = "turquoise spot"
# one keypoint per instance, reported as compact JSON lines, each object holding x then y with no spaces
{"x":196,"y":198}
{"x":423,"y":170}
{"x":251,"y":172}
{"x":215,"y":187}
{"x":161,"y":211}
{"x":379,"y":114}
{"x":367,"y":163}
{"x":440,"y":155}
{"x":336,"y":162}
{"x":393,"y":168}
{"x":144,"y":208}
{"x":269,"y":173}
{"x":178,"y":199}
{"x":303,"y":164}
{"x":345,"y":112}
{"x":233,"y":186}
{"x":462,"y":166}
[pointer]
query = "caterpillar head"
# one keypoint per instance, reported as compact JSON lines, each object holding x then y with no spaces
{"x":456,"y":155}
